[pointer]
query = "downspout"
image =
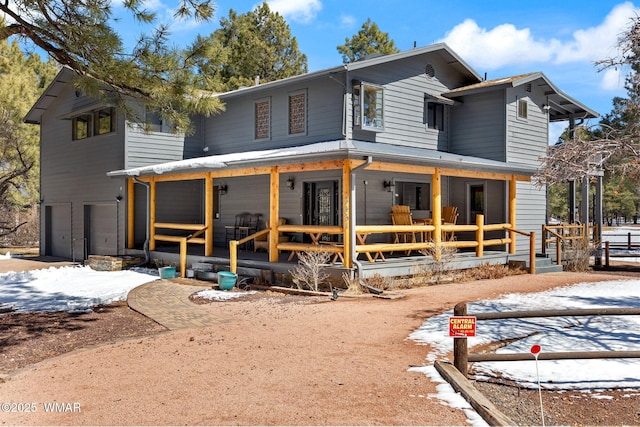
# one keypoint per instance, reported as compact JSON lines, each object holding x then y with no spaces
{"x":145,"y":247}
{"x":352,"y":216}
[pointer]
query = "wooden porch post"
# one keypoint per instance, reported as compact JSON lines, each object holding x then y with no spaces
{"x":274,"y":213}
{"x":131,"y":211}
{"x":152,"y":214}
{"x":208,"y":215}
{"x":436,"y":207}
{"x":346,"y":213}
{"x":512,"y":213}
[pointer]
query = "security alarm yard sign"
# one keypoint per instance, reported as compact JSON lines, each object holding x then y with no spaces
{"x":462,"y":326}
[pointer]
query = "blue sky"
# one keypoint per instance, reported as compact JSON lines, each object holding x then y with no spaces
{"x":499,"y":38}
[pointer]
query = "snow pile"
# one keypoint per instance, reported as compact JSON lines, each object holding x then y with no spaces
{"x":66,"y":288}
{"x":215,"y":295}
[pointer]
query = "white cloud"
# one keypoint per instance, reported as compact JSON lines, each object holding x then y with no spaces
{"x":506,"y":44}
{"x":599,"y":42}
{"x":302,"y":11}
{"x":612,"y":80}
{"x":495,"y":48}
{"x":347,"y":21}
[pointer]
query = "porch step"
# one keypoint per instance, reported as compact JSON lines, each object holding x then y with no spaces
{"x":546,"y":265}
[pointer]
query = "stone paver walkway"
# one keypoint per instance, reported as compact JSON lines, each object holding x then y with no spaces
{"x":168,"y":303}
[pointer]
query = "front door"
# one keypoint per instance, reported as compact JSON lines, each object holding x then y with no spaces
{"x":321,"y":204}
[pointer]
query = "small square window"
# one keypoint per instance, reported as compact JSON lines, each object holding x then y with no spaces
{"x":522,"y":108}
{"x":297,"y":113}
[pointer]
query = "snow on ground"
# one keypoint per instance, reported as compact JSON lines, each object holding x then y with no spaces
{"x":213,"y":294}
{"x":556,"y":334}
{"x":592,"y":333}
{"x":66,"y":288}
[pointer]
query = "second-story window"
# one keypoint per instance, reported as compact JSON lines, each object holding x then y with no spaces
{"x":104,"y":121}
{"x":262,"y":110}
{"x":434,"y":115}
{"x":81,"y":126}
{"x":297,"y":113}
{"x":368,"y":107}
{"x":522,"y":108}
{"x":98,"y":122}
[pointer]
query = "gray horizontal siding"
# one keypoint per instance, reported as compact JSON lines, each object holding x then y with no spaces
{"x":143,"y":149}
{"x":527,"y":139}
{"x":478,"y":126}
{"x":74,"y":172}
{"x":233,"y":130}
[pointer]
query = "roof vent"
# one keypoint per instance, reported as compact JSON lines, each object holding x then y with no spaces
{"x":430,"y":71}
{"x":528,"y":87}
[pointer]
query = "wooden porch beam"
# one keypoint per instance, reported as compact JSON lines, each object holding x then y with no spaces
{"x":512,"y":214}
{"x":462,"y":173}
{"x":436,"y":207}
{"x":152,"y":215}
{"x":208,"y":216}
{"x":311,"y":166}
{"x":346,"y":212}
{"x":402,"y":168}
{"x":274,"y":213}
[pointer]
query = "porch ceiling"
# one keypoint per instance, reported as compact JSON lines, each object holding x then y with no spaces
{"x":330,"y":150}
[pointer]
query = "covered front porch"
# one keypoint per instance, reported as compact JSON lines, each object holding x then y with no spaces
{"x":360,"y":234}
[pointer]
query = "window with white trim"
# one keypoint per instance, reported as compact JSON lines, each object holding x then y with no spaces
{"x":522,"y":108}
{"x":368,"y":106}
{"x":434,"y":112}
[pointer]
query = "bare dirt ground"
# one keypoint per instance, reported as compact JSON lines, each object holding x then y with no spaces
{"x":278,"y":360}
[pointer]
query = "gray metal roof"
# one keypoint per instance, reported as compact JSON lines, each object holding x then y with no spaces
{"x":338,"y":149}
{"x":561,"y":106}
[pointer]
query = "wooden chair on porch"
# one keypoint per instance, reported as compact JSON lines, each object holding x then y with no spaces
{"x":401,"y":215}
{"x":262,"y":242}
{"x":449,"y":217}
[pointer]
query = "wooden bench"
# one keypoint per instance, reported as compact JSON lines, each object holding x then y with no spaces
{"x":295,"y":248}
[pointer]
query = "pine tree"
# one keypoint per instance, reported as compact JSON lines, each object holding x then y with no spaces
{"x":256,"y":45}
{"x":369,"y":40}
{"x":22,"y":80}
{"x":79,"y":34}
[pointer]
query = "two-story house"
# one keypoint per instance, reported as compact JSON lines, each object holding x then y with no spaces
{"x":336,"y":148}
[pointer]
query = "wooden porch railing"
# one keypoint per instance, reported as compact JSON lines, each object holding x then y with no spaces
{"x":564,"y":236}
{"x":198,"y":229}
{"x":363,"y":231}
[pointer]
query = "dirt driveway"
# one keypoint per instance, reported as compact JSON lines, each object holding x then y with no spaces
{"x":276,"y":361}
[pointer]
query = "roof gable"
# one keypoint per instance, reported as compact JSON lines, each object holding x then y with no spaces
{"x":560,"y":105}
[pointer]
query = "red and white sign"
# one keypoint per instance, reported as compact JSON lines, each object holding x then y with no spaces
{"x":462,"y":326}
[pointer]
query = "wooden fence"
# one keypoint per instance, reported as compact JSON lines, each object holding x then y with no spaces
{"x":462,"y":358}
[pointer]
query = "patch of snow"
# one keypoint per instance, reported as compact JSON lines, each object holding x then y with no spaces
{"x":66,"y":288}
{"x":216,"y":295}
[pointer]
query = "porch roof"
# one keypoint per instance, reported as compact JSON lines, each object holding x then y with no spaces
{"x":330,"y":150}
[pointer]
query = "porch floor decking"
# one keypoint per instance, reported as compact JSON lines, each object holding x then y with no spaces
{"x":250,"y":263}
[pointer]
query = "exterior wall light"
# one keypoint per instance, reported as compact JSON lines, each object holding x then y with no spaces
{"x":389,"y":186}
{"x":290,"y":183}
